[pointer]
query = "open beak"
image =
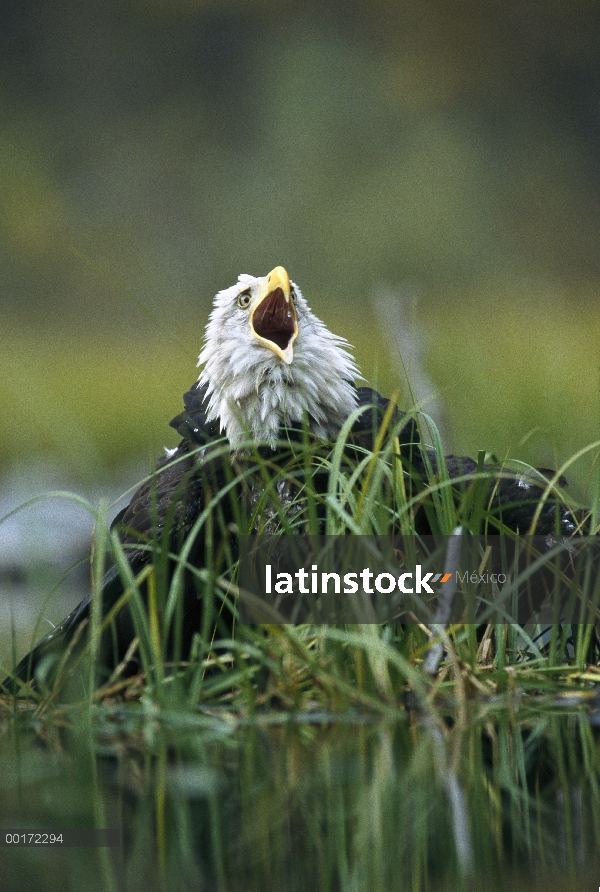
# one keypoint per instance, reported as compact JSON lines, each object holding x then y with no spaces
{"x":273,"y":317}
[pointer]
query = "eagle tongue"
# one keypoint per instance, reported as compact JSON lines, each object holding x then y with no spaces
{"x":274,"y":319}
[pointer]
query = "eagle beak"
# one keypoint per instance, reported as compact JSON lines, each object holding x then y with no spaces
{"x":273,"y":317}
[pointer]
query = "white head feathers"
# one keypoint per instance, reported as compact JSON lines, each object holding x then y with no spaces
{"x":269,"y":362}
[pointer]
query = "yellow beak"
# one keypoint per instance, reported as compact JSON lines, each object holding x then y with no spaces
{"x":273,"y":317}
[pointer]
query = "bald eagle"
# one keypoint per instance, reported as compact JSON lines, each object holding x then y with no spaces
{"x":272,"y":376}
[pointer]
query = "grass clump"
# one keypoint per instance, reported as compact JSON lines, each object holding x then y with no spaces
{"x":355,"y":486}
{"x":311,"y":755}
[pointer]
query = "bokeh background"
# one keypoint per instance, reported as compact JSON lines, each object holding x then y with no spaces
{"x":428,"y":172}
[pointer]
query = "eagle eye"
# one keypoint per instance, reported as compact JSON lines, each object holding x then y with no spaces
{"x":293,"y":296}
{"x":244,"y":299}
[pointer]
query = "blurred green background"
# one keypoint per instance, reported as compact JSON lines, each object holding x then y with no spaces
{"x":428,"y":172}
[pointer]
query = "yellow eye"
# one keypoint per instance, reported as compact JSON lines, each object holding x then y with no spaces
{"x":293,"y":296}
{"x":244,"y":300}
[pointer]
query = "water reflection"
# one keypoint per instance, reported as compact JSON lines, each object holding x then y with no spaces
{"x":207,"y":802}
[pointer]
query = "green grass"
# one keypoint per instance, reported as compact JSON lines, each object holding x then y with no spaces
{"x":314,"y":756}
{"x":332,"y":668}
{"x":498,"y":800}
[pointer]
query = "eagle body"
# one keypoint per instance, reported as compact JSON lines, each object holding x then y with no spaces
{"x":272,"y":375}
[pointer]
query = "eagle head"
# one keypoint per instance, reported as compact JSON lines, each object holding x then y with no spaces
{"x":269,"y":363}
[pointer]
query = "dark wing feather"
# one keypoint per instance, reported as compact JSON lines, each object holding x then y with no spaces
{"x":513,"y":498}
{"x":167,"y":504}
{"x":191,"y":424}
